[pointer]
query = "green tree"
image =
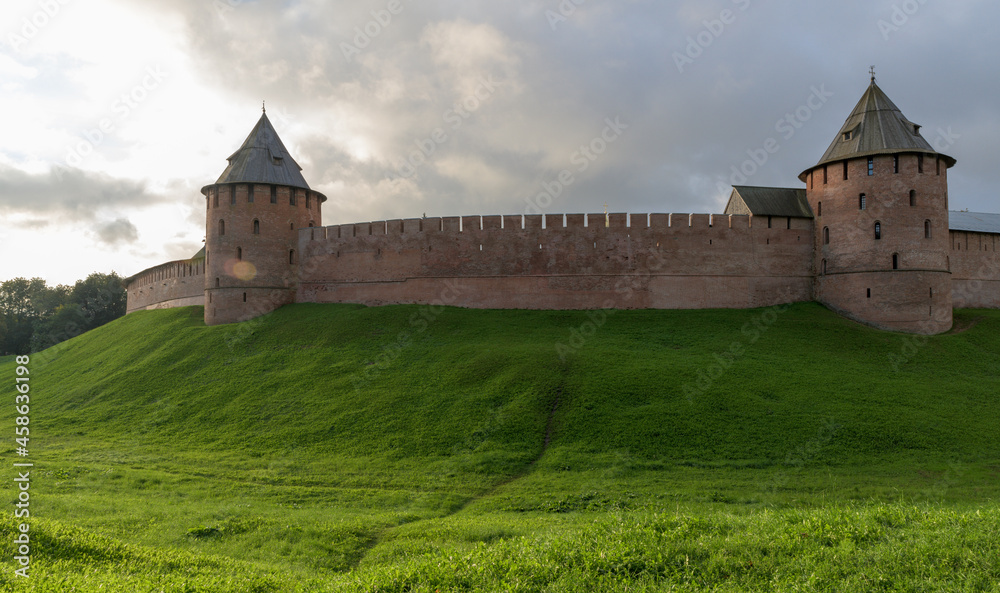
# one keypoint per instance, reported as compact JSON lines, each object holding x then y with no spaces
{"x":67,"y":321}
{"x":34,"y":316}
{"x":49,"y":298}
{"x":101,"y":298}
{"x":19,"y":313}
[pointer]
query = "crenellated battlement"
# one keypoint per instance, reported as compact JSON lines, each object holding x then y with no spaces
{"x":675,"y":260}
{"x":595,"y":223}
{"x":184,"y":268}
{"x":173,"y":284}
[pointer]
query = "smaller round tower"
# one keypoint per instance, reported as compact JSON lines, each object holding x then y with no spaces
{"x":254,"y":213}
{"x":880,"y":200}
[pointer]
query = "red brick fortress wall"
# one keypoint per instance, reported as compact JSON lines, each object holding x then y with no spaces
{"x":680,"y":261}
{"x":173,"y":284}
{"x":975,"y":269}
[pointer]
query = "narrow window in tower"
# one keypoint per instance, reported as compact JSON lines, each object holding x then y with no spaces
{"x":768,"y":222}
{"x":871,"y":165}
{"x":824,"y":174}
{"x":927,"y":229}
{"x":938,"y":165}
{"x":932,"y":292}
{"x":895,"y":261}
{"x":862,"y":202}
{"x":244,"y":297}
{"x":291,"y":226}
{"x":291,"y":256}
{"x":920,"y":163}
{"x":209,"y":298}
{"x":215,"y":197}
{"x":250,"y":193}
{"x":788,"y":223}
{"x":274,"y":194}
{"x":845,"y":170}
{"x":232,"y":195}
{"x":895,"y":163}
{"x":239,"y":253}
{"x":222,"y":227}
{"x":826,"y":235}
{"x":256,"y":227}
{"x":291,"y":197}
{"x":217,"y":283}
{"x":308,"y":200}
{"x":819,"y":209}
{"x":869,"y":293}
{"x":824,"y":267}
{"x":878,"y":231}
{"x":913,"y":197}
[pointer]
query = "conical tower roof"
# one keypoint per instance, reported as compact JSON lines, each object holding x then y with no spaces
{"x":876,"y":126}
{"x":263,"y":159}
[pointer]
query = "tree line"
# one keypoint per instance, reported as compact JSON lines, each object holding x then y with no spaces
{"x":34,"y":316}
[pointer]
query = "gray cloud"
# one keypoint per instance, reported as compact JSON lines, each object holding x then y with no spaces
{"x":35,"y":224}
{"x":117,"y":232}
{"x":690,"y":122}
{"x":68,"y":194}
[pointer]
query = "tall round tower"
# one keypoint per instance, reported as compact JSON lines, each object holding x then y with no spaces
{"x":255,"y":211}
{"x":880,"y":200}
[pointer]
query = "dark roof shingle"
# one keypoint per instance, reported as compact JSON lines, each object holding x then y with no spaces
{"x":770,"y":201}
{"x":876,"y":126}
{"x":263,"y":159}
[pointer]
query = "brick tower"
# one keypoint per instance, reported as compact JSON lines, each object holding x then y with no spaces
{"x":254,"y":212}
{"x":880,"y":200}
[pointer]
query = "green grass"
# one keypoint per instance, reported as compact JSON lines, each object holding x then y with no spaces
{"x":405,"y":448}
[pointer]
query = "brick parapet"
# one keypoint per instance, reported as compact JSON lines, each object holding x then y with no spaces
{"x":975,"y":269}
{"x":173,"y":284}
{"x":574,"y":261}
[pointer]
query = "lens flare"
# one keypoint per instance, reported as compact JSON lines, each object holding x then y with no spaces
{"x":245,"y":270}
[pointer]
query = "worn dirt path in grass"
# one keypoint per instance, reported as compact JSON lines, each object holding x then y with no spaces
{"x":963,"y":326}
{"x":549,"y":429}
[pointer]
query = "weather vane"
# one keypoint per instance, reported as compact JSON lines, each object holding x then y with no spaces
{"x":872,"y":70}
{"x":263,"y":107}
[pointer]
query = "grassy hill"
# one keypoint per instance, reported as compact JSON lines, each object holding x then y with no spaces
{"x":414,"y":448}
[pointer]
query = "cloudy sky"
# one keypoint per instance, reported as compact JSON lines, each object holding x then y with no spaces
{"x":115,"y":113}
